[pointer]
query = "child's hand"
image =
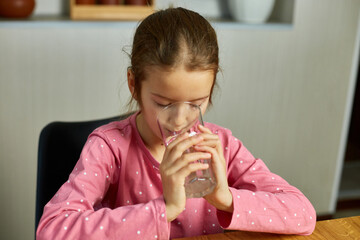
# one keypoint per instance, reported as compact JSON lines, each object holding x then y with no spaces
{"x":221,"y":197}
{"x":176,"y":165}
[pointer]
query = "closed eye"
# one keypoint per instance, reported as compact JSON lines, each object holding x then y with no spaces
{"x":199,"y":103}
{"x":162,"y":105}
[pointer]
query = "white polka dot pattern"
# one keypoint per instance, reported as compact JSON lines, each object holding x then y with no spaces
{"x":116,"y":187}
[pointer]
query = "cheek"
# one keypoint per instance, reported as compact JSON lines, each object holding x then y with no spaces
{"x":151,"y":113}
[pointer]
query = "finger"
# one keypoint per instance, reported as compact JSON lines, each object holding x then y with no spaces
{"x":215,"y":155}
{"x":214,"y":143}
{"x":175,"y":151}
{"x":209,"y":142}
{"x":204,"y":129}
{"x":179,"y":138}
{"x":209,"y":136}
{"x":207,"y":133}
{"x":218,"y":166}
{"x":188,"y":158}
{"x":181,"y":146}
{"x":167,"y":152}
{"x":193,"y":167}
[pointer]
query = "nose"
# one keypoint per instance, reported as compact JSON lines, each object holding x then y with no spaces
{"x":179,"y":116}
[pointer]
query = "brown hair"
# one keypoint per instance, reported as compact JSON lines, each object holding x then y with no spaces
{"x":172,"y":37}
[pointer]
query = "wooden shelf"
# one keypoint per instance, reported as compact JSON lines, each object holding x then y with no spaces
{"x":109,"y":12}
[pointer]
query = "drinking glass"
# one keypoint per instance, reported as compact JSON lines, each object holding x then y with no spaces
{"x":174,"y":120}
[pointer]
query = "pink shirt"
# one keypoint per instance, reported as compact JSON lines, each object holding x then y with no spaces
{"x":115,"y":192}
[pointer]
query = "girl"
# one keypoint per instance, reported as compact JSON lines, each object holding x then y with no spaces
{"x":127,"y":185}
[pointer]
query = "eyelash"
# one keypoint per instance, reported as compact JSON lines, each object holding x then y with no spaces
{"x":165,"y":105}
{"x":162,"y":105}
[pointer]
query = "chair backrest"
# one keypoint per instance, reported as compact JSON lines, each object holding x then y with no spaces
{"x":60,"y":145}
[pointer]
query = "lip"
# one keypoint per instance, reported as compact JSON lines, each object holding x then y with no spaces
{"x":173,"y":133}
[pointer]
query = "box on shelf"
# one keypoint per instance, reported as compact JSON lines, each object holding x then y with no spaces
{"x":109,"y":12}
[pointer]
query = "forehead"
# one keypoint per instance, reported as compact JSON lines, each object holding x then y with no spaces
{"x":178,"y":83}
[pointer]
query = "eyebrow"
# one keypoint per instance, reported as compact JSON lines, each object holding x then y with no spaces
{"x":172,"y":100}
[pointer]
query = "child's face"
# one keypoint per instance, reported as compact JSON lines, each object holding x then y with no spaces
{"x":161,"y":88}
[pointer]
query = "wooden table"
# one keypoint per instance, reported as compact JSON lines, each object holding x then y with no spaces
{"x":342,"y":228}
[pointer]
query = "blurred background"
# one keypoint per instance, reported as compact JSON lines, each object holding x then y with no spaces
{"x":288,"y":90}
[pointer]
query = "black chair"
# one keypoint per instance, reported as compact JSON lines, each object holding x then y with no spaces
{"x":60,"y":145}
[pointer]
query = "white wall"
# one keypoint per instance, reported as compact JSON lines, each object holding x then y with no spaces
{"x":284,"y":91}
{"x":287,"y":94}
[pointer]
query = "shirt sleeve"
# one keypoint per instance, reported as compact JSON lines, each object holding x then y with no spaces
{"x":263,"y":201}
{"x":77,"y":210}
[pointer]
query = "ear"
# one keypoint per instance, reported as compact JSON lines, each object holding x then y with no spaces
{"x":131,"y":82}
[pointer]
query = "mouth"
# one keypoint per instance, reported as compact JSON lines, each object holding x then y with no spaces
{"x":173,"y":132}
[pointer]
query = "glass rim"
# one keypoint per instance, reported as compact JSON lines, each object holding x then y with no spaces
{"x":175,"y":103}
